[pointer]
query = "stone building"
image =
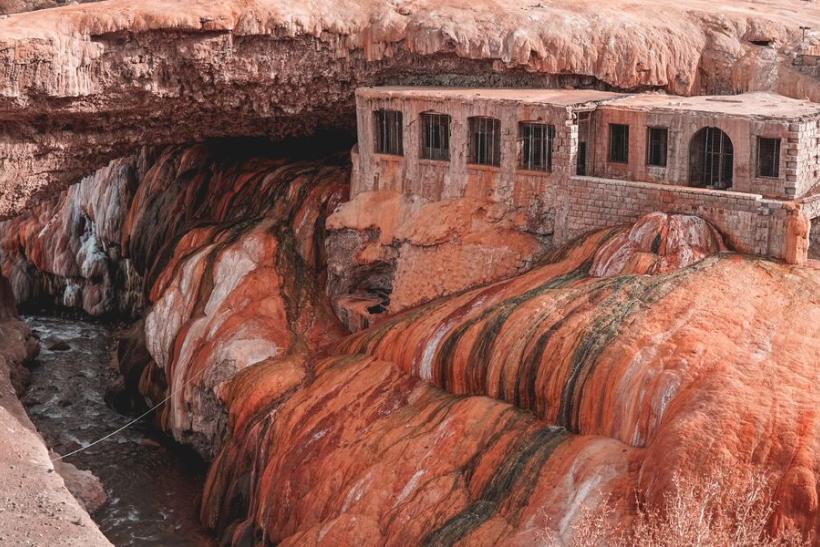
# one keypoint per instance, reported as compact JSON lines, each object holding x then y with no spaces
{"x":578,"y":160}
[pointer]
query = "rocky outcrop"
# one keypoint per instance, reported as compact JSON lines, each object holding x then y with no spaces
{"x":644,"y":378}
{"x":239,"y":290}
{"x":500,"y":411}
{"x":658,"y":243}
{"x":388,"y":252}
{"x":36,"y":507}
{"x":350,"y":449}
{"x":83,"y":485}
{"x":66,"y":251}
{"x":83,"y":84}
{"x":226,"y":253}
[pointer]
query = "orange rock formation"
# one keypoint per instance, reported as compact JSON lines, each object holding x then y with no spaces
{"x":88,"y":83}
{"x":486,"y":415}
{"x":678,"y":373}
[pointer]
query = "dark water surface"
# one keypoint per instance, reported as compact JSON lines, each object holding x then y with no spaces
{"x":152,"y":485}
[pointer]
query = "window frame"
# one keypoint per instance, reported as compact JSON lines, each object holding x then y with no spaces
{"x":650,"y":130}
{"x":388,"y":129}
{"x":482,"y":123}
{"x":775,"y":159}
{"x":526,"y":161}
{"x":429,"y":121}
{"x":612,"y":149}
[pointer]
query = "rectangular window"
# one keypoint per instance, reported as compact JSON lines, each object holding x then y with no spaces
{"x":656,"y":138}
{"x":768,"y":157}
{"x":388,"y":128}
{"x":536,"y":146}
{"x":435,"y":136}
{"x":485,"y":141}
{"x":618,"y":143}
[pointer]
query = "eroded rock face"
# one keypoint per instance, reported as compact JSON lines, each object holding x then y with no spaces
{"x":225,"y":250}
{"x":66,"y":251}
{"x":388,"y":252}
{"x":350,"y":449}
{"x":20,"y":6}
{"x":241,"y":289}
{"x":495,"y":412}
{"x":83,"y":84}
{"x":415,"y":430}
{"x":83,"y":485}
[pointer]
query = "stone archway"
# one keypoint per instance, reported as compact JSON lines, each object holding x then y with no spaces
{"x":711,"y":161}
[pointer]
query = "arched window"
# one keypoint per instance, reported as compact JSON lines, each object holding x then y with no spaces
{"x":711,"y":159}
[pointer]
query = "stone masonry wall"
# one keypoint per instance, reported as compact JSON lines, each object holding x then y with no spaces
{"x":564,"y":205}
{"x":794,"y":179}
{"x":530,"y":191}
{"x":748,"y":222}
{"x":803,"y":156}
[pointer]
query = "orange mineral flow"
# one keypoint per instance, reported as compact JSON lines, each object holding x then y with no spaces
{"x":350,"y":450}
{"x":240,"y":285}
{"x":711,"y":365}
{"x":416,"y":430}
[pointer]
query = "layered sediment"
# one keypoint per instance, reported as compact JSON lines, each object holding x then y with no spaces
{"x":85,"y":84}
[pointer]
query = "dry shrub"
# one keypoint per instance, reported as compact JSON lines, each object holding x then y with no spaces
{"x":716,"y":510}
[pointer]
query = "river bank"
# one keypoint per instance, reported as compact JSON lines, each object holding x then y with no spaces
{"x":36,"y":508}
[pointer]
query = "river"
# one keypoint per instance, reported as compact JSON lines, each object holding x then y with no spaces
{"x":153,"y":485}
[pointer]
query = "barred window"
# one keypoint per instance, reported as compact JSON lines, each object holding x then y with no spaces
{"x":485,"y":141}
{"x":388,"y":128}
{"x":536,"y":146}
{"x":768,"y":157}
{"x":656,"y":144}
{"x":618,"y":143}
{"x":435,"y":136}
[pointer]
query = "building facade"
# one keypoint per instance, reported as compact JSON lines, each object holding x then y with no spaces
{"x":578,"y":160}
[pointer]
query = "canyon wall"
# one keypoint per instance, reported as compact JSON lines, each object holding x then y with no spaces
{"x":66,"y":251}
{"x":591,"y":376}
{"x":84,"y":84}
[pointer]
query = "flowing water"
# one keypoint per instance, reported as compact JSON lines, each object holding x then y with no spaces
{"x":152,"y":485}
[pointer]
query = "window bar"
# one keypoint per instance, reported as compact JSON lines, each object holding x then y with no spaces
{"x":435,"y":143}
{"x":480,"y":143}
{"x":430,"y":140}
{"x":760,"y":169}
{"x":491,"y":128}
{"x":531,"y":144}
{"x":721,"y":162}
{"x":396,"y":129}
{"x":707,"y":160}
{"x":383,"y":117}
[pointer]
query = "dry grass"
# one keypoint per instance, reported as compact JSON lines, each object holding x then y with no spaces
{"x":714,"y":511}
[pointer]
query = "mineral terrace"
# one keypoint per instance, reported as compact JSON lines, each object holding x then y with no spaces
{"x":419,"y":272}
